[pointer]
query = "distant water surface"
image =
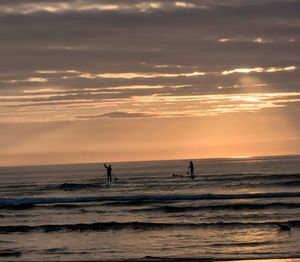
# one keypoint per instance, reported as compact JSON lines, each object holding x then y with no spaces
{"x":230,"y":210}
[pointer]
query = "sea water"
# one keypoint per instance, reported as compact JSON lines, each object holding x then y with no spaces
{"x":229,"y":211}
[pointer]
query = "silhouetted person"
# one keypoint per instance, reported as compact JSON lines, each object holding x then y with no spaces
{"x":191,"y":170}
{"x":108,"y":170}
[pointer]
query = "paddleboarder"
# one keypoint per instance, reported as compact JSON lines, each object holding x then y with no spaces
{"x":191,"y":170}
{"x":108,"y":170}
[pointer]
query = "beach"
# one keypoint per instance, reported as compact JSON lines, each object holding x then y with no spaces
{"x":230,"y":211}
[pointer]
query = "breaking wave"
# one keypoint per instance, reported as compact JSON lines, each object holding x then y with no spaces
{"x":13,"y":202}
{"x":243,"y":206}
{"x":129,"y":225}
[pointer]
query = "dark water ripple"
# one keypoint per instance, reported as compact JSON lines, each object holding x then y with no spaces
{"x":131,"y":225}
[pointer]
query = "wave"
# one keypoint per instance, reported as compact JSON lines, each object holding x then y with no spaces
{"x":10,"y":253}
{"x":243,"y":206}
{"x":249,"y":176}
{"x":259,"y":174}
{"x":291,"y":183}
{"x":72,"y":186}
{"x":230,"y":257}
{"x":246,"y":244}
{"x":130,"y":225}
{"x":13,"y":202}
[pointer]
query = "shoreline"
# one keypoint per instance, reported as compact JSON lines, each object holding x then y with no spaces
{"x":18,"y":257}
{"x":187,"y":259}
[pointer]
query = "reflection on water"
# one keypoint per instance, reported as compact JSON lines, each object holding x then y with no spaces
{"x":229,"y":211}
{"x":270,"y":260}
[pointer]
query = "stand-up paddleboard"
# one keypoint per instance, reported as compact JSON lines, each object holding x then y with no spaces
{"x":192,"y":177}
{"x":114,"y":180}
{"x":174,"y":175}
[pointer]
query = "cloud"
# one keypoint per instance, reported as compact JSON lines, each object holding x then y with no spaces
{"x":57,"y":7}
{"x":29,"y":79}
{"x":155,"y":105}
{"x":80,"y":37}
{"x":158,"y":58}
{"x":118,"y":115}
{"x":149,"y":75}
{"x":259,"y":70}
{"x":140,"y":75}
{"x":231,"y":7}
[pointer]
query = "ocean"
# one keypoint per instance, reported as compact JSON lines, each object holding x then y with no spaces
{"x":229,"y":211}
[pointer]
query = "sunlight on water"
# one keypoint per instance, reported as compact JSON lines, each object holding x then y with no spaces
{"x":240,"y":157}
{"x":270,"y":260}
{"x":229,"y":211}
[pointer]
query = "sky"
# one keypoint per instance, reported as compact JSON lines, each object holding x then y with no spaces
{"x":126,"y":80}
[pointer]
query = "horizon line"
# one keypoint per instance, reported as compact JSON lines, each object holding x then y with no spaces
{"x":234,"y":158}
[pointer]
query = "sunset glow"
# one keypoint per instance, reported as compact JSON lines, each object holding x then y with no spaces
{"x":178,"y":79}
{"x":150,"y":130}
